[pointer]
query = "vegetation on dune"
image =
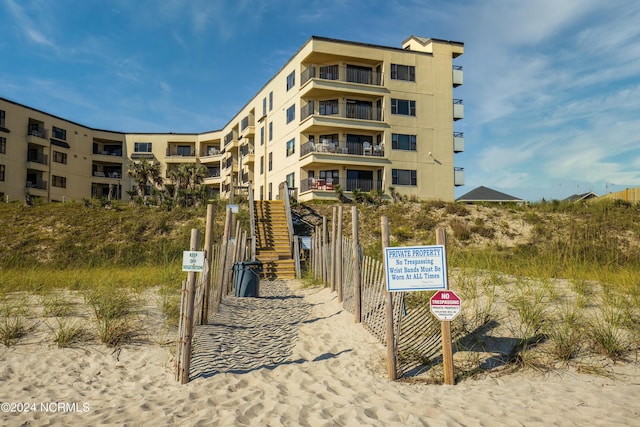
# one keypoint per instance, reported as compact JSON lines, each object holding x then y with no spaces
{"x":501,"y":256}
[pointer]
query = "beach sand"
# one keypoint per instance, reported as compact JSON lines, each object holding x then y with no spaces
{"x":292,"y":357}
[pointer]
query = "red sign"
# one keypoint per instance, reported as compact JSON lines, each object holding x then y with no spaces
{"x":445,"y":305}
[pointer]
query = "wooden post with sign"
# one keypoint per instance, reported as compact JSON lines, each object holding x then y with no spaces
{"x":185,"y":341}
{"x":390,"y":338}
{"x":445,"y":327}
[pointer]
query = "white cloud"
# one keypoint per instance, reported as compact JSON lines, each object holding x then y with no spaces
{"x":24,"y":22}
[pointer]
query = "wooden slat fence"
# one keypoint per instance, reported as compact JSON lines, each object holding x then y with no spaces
{"x":213,"y":287}
{"x":417,"y":331}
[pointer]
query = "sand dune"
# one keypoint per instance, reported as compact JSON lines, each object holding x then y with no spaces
{"x":290,"y":358}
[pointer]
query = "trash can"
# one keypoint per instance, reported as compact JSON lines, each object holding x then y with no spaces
{"x":246,"y":278}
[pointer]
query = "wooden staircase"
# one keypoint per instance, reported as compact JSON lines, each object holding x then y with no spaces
{"x":272,"y":240}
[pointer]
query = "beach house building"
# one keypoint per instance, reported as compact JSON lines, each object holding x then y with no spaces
{"x":338,"y":115}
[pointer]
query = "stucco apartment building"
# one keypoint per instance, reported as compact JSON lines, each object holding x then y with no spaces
{"x":338,"y":113}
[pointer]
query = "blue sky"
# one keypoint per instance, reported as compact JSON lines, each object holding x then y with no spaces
{"x":551,"y":89}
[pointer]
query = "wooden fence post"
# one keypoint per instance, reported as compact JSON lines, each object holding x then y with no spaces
{"x":357,"y":277}
{"x":339,"y":259}
{"x":208,"y":239}
{"x":185,"y":352}
{"x":390,"y":338}
{"x":445,"y":326}
{"x":325,"y":252}
{"x":334,"y":259}
{"x":225,"y":255}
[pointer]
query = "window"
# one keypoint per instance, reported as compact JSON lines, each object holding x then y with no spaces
{"x":291,"y":80}
{"x":291,"y":180}
{"x":270,"y":101}
{"x":59,"y":133}
{"x":270,"y":190}
{"x":264,"y":106}
{"x":270,"y":163}
{"x":329,"y":107}
{"x":270,"y":131}
{"x":291,"y":147}
{"x":329,"y":72}
{"x":403,"y":72}
{"x":142,"y":147}
{"x":403,"y":107}
{"x":59,"y":181}
{"x":59,"y":157}
{"x":262,"y":135}
{"x":291,"y":113}
{"x":359,"y":74}
{"x":330,"y":176}
{"x":261,"y":167}
{"x":403,"y":177}
{"x":403,"y":142}
{"x":261,"y":192}
{"x":184,"y":150}
{"x":2,"y":118}
{"x":1,"y":172}
{"x":3,"y":145}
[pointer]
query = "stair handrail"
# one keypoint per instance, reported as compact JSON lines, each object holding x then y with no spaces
{"x":252,"y":223}
{"x":284,"y":196}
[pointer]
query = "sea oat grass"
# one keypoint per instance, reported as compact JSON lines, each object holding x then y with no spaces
{"x":607,"y":339}
{"x":13,"y":319}
{"x":67,"y":332}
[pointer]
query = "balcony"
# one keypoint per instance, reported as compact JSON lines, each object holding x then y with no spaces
{"x":111,"y":152}
{"x":457,"y":76}
{"x":116,"y":174}
{"x":458,"y":109}
{"x":247,"y":127}
{"x":37,"y":185}
{"x":37,"y":157}
{"x":347,"y":74}
{"x":458,"y":142}
{"x":342,"y":148}
{"x":458,"y":177}
{"x":231,"y":140}
{"x":315,"y":184}
{"x":38,"y":135}
{"x":364,"y":111}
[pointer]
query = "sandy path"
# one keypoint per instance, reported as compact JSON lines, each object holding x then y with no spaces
{"x":292,"y":358}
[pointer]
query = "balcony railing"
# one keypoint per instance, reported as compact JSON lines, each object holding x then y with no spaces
{"x":344,"y":74}
{"x":247,"y":149}
{"x":345,"y":110}
{"x":364,"y":185}
{"x":342,"y":147}
{"x":38,"y":185}
{"x":458,"y":142}
{"x":230,"y":137}
{"x":38,"y":131}
{"x":41,"y":158}
{"x":458,"y":176}
{"x":458,"y":109}
{"x":319,"y":184}
{"x":108,"y":152}
{"x":175,"y":152}
{"x":209,"y":151}
{"x":458,"y":78}
{"x":106,"y":174}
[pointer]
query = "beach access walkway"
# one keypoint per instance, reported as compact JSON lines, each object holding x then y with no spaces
{"x":250,"y":333}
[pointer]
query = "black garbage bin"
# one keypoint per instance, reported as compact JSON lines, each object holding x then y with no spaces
{"x":246,"y":278}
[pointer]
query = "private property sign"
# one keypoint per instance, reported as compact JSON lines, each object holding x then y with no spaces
{"x":416,"y":268}
{"x":445,"y":305}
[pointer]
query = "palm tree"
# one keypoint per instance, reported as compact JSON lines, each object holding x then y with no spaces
{"x":144,"y":172}
{"x":187,"y":180}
